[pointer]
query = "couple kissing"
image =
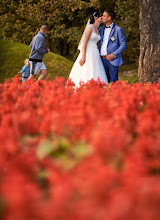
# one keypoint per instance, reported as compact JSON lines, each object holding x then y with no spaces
{"x":100,"y":50}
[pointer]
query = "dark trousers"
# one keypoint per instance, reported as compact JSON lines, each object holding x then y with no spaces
{"x":111,"y":71}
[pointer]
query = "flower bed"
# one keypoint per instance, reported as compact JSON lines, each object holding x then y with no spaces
{"x":92,"y":154}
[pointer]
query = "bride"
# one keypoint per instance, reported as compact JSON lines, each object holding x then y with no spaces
{"x":88,"y":64}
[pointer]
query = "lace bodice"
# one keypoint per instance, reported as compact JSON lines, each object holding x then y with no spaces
{"x":93,"y":40}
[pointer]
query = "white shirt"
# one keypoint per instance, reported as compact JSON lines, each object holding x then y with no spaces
{"x":107,"y":32}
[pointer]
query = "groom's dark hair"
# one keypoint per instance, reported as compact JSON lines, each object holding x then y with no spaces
{"x":111,"y":13}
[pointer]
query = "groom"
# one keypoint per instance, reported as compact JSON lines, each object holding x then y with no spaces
{"x":111,"y":46}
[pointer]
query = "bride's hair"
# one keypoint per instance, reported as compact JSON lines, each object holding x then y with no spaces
{"x":95,"y":14}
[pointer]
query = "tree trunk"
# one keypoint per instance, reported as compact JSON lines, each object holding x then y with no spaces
{"x":149,"y":60}
{"x":50,"y":43}
{"x":67,"y":49}
{"x":62,"y":47}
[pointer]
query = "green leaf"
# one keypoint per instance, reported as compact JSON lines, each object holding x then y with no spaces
{"x":45,"y":149}
{"x":64,"y":144}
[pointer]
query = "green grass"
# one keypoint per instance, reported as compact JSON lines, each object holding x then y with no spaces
{"x":13,"y":54}
{"x":129,"y":72}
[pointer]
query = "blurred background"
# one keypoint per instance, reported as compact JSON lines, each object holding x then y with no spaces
{"x":20,"y":20}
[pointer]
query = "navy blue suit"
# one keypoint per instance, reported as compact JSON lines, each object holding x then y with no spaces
{"x":116,"y":45}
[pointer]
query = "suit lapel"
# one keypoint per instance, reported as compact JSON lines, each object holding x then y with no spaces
{"x":111,"y":33}
{"x":102,"y":33}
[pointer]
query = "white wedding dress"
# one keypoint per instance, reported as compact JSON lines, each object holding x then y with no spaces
{"x":93,"y":67}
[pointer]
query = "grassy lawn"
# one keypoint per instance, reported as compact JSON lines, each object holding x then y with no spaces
{"x":13,"y":54}
{"x":129,"y":72}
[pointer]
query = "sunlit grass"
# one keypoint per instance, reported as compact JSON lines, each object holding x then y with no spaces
{"x":13,"y":54}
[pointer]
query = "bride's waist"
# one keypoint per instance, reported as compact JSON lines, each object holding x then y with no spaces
{"x":92,"y":46}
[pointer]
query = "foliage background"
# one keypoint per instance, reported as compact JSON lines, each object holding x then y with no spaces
{"x":20,"y":20}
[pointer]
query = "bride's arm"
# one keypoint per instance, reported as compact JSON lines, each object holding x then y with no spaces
{"x":84,"y":45}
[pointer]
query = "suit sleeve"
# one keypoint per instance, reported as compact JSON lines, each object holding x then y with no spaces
{"x":122,"y":41}
{"x":39,"y":46}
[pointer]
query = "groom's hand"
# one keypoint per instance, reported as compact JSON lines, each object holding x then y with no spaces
{"x":110,"y":57}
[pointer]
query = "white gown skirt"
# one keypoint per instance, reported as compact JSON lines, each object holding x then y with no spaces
{"x":92,"y":68}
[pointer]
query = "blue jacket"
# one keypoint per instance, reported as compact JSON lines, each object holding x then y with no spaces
{"x":116,"y":43}
{"x":37,"y":47}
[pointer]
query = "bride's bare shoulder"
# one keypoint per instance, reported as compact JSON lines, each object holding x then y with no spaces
{"x":89,"y":28}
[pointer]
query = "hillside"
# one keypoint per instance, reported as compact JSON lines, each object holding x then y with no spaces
{"x":13,"y":54}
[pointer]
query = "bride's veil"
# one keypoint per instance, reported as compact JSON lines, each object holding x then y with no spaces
{"x":81,"y":41}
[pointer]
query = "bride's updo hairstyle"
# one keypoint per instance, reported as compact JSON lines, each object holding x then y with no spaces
{"x":95,"y":14}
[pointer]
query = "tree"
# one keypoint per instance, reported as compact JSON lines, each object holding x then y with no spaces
{"x":7,"y":17}
{"x":20,"y":20}
{"x":149,"y":60}
{"x":128,"y":18}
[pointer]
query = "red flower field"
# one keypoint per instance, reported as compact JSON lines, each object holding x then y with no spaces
{"x":90,"y":154}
